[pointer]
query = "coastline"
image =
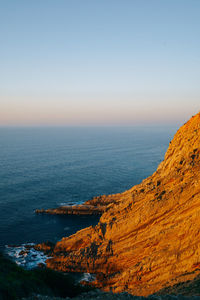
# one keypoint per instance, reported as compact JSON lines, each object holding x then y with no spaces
{"x":122,"y":250}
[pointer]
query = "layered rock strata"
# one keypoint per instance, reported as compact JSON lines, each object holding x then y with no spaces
{"x":148,"y":237}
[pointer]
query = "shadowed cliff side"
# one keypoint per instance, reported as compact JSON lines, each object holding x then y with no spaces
{"x":149,"y":237}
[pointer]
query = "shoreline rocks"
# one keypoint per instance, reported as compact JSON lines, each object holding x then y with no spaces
{"x":81,"y":209}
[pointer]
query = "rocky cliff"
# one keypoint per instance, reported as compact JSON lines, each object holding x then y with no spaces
{"x":148,"y":238}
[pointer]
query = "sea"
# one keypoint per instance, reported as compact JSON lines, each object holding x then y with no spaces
{"x":46,"y":167}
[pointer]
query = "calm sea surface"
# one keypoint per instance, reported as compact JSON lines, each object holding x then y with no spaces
{"x":48,"y":167}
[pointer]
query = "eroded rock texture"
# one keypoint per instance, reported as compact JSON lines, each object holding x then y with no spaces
{"x":149,"y":236}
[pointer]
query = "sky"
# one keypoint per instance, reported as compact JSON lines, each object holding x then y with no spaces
{"x":99,"y":62}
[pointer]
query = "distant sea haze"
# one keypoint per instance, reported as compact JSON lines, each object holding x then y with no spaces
{"x":48,"y":167}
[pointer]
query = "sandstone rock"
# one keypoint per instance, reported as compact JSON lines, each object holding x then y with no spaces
{"x":46,"y":247}
{"x":148,"y":238}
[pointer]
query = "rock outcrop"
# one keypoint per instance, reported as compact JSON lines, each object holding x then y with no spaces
{"x":95,"y":206}
{"x":148,"y":238}
{"x":80,"y":210}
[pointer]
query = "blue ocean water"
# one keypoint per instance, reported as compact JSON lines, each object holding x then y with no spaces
{"x":48,"y":167}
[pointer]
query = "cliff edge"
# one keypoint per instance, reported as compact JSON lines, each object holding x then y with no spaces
{"x":148,"y":238}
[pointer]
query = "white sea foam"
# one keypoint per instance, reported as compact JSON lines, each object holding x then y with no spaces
{"x":88,"y":277}
{"x":28,"y":258}
{"x":67,"y":203}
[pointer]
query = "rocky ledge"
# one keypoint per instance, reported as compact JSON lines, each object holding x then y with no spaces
{"x":73,"y":210}
{"x":148,"y":238}
{"x":96,"y":206}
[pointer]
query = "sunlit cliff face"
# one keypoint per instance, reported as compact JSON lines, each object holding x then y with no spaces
{"x":148,"y":238}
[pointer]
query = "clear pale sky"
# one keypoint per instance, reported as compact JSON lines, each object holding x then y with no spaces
{"x":99,"y":62}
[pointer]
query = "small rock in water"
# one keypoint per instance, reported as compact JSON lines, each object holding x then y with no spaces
{"x":23,"y":252}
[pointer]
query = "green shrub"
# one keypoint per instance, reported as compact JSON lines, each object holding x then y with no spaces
{"x":16,"y":282}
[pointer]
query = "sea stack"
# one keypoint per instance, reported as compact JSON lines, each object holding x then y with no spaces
{"x":148,"y":238}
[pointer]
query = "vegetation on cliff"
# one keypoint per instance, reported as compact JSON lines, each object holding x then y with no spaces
{"x":15,"y":282}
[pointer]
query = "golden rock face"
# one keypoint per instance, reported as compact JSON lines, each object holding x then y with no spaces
{"x":149,"y":236}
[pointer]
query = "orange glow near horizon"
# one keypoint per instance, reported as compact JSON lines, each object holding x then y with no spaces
{"x":72,"y":111}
